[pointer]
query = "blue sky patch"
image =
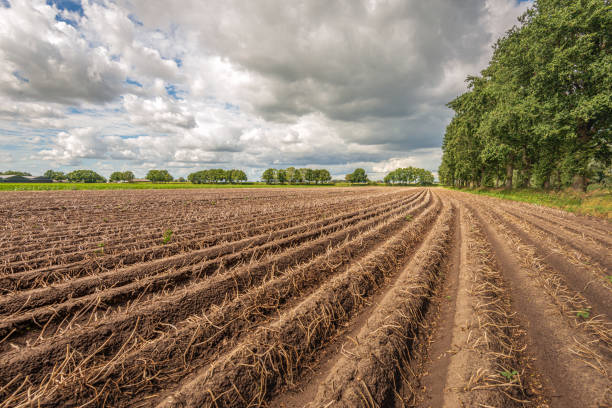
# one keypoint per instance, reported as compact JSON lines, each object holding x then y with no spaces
{"x":20,"y":77}
{"x":135,"y":20}
{"x":60,"y":17}
{"x":175,"y":93}
{"x":68,"y":5}
{"x":133,"y":82}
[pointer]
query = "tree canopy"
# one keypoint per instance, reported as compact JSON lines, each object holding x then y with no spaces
{"x":122,"y":176}
{"x":85,"y":176}
{"x":357,"y":176}
{"x":410,"y":175}
{"x":55,"y":175}
{"x":217,"y":176}
{"x":292,"y":175}
{"x":540,"y":114}
{"x":14,"y":173}
{"x":159,"y":176}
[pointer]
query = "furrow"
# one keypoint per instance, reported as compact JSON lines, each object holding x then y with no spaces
{"x":573,"y":351}
{"x":112,"y":331}
{"x":106,"y":262}
{"x":93,"y":267}
{"x":368,"y":373}
{"x":222,"y":257}
{"x":197,"y":341}
{"x":275,"y":354}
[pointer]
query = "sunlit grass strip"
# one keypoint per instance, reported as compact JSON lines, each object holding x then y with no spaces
{"x":596,"y":203}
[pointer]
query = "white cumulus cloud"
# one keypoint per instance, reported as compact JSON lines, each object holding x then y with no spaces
{"x":137,"y":83}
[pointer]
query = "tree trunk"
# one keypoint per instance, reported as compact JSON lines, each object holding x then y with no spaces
{"x":526,"y":171}
{"x":579,"y":183}
{"x":509,"y":174}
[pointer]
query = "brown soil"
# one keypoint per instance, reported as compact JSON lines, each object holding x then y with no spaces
{"x":301,"y":298}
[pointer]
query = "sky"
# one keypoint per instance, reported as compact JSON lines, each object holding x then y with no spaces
{"x":195,"y":84}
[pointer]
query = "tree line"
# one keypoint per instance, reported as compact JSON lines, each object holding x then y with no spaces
{"x":155,"y":176}
{"x":289,"y":175}
{"x":410,"y":175}
{"x":292,"y":175}
{"x":217,"y":176}
{"x":540,"y":114}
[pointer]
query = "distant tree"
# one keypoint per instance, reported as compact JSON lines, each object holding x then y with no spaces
{"x":181,"y":179}
{"x":197,"y":177}
{"x":358,"y":176}
{"x":159,"y":176}
{"x":217,"y":176}
{"x":425,"y":177}
{"x":388,"y":178}
{"x":281,"y":175}
{"x":55,"y":175}
{"x":349,"y":177}
{"x":116,"y":176}
{"x":237,"y":176}
{"x":269,"y":176}
{"x":122,"y":176}
{"x":15,"y":173}
{"x":296,"y":176}
{"x":85,"y":176}
{"x":128,"y":176}
{"x":308,"y":175}
{"x":409,"y":175}
{"x":291,"y":173}
{"x":323,"y":176}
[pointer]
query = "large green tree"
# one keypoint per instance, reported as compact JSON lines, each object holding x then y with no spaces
{"x":541,"y":112}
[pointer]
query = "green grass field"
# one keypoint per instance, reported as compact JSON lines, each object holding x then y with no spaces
{"x":597,"y":203}
{"x":147,"y":186}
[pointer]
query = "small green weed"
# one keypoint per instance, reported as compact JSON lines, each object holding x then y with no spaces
{"x":583,"y":313}
{"x":100,"y":249}
{"x":167,"y":236}
{"x":609,"y":278}
{"x":409,"y":217}
{"x":509,"y":375}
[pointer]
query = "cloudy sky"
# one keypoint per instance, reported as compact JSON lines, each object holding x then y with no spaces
{"x":193,"y":84}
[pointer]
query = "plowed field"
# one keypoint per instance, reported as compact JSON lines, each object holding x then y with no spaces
{"x":336,"y":297}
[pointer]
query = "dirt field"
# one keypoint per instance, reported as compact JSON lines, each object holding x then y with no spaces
{"x":338,"y":297}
